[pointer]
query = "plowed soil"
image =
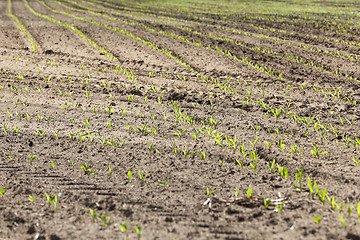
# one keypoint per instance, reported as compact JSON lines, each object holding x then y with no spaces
{"x":212,"y":112}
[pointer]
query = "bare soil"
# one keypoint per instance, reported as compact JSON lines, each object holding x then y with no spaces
{"x":66,"y":107}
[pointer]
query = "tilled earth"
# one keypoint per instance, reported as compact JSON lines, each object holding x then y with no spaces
{"x":178,"y":121}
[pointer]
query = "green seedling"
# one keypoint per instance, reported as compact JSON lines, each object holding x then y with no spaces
{"x":209,"y":192}
{"x":3,"y":190}
{"x":56,"y":134}
{"x":254,"y":158}
{"x":249,"y":191}
{"x":111,"y":142}
{"x":281,"y":144}
{"x":269,"y":144}
{"x":311,"y":187}
{"x":350,"y":209}
{"x":203,"y":156}
{"x":129,"y":174}
{"x":267,"y":202}
{"x":102,"y":140}
{"x":279,"y":208}
{"x":110,"y":170}
{"x":32,"y":199}
{"x":122,"y":143}
{"x":109,"y":110}
{"x":163,"y":183}
{"x":277,"y":112}
{"x":284,"y":173}
{"x":124,"y":228}
{"x":317,"y":219}
{"x":271,"y":165}
{"x":237,"y":192}
{"x":222,"y":162}
{"x":298,"y":176}
{"x":93,"y":213}
{"x":142,"y":177}
{"x":51,"y":199}
{"x":342,"y":220}
{"x":139,"y":231}
{"x":254,"y":143}
{"x":16,"y":130}
{"x":104,"y":219}
{"x":322,"y":195}
{"x":32,"y":158}
{"x":315,"y":152}
{"x":241,"y":164}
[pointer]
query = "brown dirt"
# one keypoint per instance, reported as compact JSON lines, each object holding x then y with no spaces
{"x":34,"y":98}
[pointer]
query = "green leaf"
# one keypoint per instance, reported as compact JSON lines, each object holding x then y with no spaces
{"x":249,"y":192}
{"x":318,"y":219}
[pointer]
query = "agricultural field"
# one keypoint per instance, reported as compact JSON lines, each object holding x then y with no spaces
{"x":124,"y":119}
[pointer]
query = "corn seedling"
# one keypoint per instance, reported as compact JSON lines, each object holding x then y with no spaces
{"x":317,"y":219}
{"x":350,"y":209}
{"x":279,"y":207}
{"x":267,"y":202}
{"x":32,"y":199}
{"x":105,"y":220}
{"x":124,"y":228}
{"x":139,"y":231}
{"x":342,"y":220}
{"x":315,"y":152}
{"x":111,"y":142}
{"x":209,"y":192}
{"x":203,"y":156}
{"x":56,"y":134}
{"x":283,"y":171}
{"x":298,"y":176}
{"x":122,"y":143}
{"x":129,"y":174}
{"x":254,"y":158}
{"x":249,"y":191}
{"x":142,"y":177}
{"x":271,"y":165}
{"x":269,"y":144}
{"x":237,"y":192}
{"x":110,"y":170}
{"x":32,"y":158}
{"x":109,"y":110}
{"x":51,"y":199}
{"x":93,"y":213}
{"x":3,"y":190}
{"x":163,"y":183}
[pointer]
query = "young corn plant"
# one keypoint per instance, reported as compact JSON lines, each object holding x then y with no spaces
{"x":105,"y":220}
{"x":142,"y":177}
{"x":316,"y":152}
{"x":51,"y":199}
{"x":139,"y":231}
{"x":32,"y":158}
{"x":93,"y":213}
{"x":298,"y":176}
{"x":283,"y":171}
{"x":249,"y":191}
{"x":163,"y":183}
{"x":254,"y":158}
{"x":124,"y":228}
{"x":209,"y":192}
{"x":3,"y":190}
